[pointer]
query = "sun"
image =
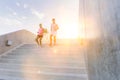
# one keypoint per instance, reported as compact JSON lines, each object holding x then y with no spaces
{"x":69,"y":31}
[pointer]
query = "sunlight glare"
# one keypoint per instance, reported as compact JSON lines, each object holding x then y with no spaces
{"x":88,"y":28}
{"x":69,"y":30}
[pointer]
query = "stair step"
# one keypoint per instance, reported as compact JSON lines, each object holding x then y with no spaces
{"x":30,"y":62}
{"x":48,"y":75}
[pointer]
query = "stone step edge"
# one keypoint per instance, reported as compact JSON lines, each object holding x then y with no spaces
{"x":47,"y":73}
{"x":5,"y":53}
{"x":47,"y":66}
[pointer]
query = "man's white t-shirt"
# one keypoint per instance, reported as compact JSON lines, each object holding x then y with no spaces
{"x":53,"y":29}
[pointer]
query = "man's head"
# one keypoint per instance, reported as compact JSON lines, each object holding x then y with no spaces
{"x":40,"y":25}
{"x":53,"y":20}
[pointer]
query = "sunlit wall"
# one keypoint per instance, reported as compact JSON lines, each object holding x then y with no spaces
{"x":100,"y":20}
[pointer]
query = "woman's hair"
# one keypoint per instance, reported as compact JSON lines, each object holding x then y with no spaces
{"x":40,"y":25}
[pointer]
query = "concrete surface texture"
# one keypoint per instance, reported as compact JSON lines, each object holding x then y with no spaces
{"x":17,"y":38}
{"x":32,"y":62}
{"x":101,"y":22}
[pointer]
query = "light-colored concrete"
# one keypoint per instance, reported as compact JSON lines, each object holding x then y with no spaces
{"x":32,"y":62}
{"x":100,"y":20}
{"x":17,"y":38}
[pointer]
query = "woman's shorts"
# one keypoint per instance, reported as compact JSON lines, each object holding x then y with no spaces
{"x":40,"y":36}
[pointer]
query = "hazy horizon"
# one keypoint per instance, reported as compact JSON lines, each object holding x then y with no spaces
{"x":28,"y":14}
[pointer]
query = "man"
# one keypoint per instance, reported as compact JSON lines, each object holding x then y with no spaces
{"x":54,"y":27}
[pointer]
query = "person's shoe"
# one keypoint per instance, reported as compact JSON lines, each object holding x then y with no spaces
{"x":37,"y":42}
{"x":55,"y":44}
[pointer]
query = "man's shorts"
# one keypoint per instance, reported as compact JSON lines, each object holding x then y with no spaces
{"x":53,"y":33}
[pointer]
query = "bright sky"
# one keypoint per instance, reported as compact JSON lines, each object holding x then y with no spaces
{"x":27,"y":14}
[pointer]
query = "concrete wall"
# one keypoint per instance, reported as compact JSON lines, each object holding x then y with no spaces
{"x":17,"y":38}
{"x":100,"y":20}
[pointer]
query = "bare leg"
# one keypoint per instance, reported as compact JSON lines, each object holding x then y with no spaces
{"x":50,"y":40}
{"x":40,"y":40}
{"x":54,"y":40}
{"x":37,"y":39}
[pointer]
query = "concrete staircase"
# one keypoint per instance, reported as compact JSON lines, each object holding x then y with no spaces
{"x":32,"y":62}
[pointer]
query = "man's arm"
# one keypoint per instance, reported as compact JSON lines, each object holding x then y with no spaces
{"x":57,"y":27}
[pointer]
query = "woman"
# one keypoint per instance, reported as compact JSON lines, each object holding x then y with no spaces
{"x":40,"y":35}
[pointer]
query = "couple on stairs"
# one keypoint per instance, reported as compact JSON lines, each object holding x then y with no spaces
{"x":54,"y":27}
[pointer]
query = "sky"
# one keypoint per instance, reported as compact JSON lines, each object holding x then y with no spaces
{"x":28,"y":14}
